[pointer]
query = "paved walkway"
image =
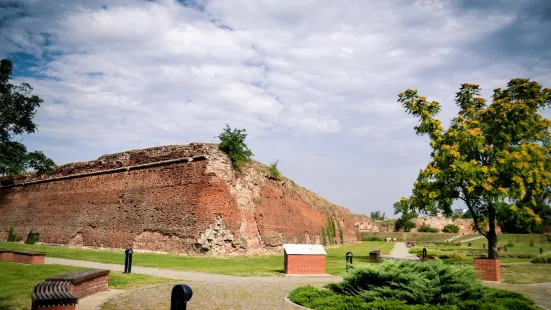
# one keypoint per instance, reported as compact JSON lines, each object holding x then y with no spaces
{"x":401,"y":251}
{"x":210,"y":291}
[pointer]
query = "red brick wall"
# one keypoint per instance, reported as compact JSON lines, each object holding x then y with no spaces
{"x":28,"y":259}
{"x":6,"y":256}
{"x":89,"y":287}
{"x":304,"y":264}
{"x":487,"y":269}
{"x":71,"y":307}
{"x":166,"y":208}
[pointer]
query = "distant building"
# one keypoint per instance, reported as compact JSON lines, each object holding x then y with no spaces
{"x":460,"y":211}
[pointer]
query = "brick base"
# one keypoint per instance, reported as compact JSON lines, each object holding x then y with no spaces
{"x":28,"y":259}
{"x":6,"y":256}
{"x":304,"y":264}
{"x":487,"y":269}
{"x":89,"y":287}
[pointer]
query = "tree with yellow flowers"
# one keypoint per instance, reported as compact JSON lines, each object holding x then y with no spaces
{"x":490,"y":154}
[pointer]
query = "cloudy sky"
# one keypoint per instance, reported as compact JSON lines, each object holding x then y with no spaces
{"x":315,"y":83}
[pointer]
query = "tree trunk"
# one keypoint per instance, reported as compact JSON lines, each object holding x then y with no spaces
{"x":492,"y":236}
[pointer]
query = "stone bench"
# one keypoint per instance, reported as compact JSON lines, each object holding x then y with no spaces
{"x":26,"y":257}
{"x":63,"y":291}
{"x":6,"y":254}
{"x":53,"y":295}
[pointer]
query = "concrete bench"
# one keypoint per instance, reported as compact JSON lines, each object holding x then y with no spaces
{"x":84,"y":283}
{"x":26,"y":257}
{"x":53,"y":295}
{"x":6,"y":254}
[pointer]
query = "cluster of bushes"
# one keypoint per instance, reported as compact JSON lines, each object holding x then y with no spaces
{"x":544,"y":258}
{"x":451,"y":228}
{"x":367,"y":238}
{"x":32,"y":237}
{"x":436,"y":254}
{"x":427,"y":228}
{"x":407,"y":285}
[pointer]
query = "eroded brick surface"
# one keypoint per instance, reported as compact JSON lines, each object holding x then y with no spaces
{"x":171,"y":208}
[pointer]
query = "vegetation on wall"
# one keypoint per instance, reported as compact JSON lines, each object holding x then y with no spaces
{"x":232,"y":143}
{"x":273,"y":172}
{"x":488,"y":155}
{"x":427,"y":228}
{"x":32,"y":238}
{"x":340,"y":231}
{"x":323,"y":238}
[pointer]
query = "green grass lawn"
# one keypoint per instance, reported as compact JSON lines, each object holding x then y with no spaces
{"x":241,"y":265}
{"x":410,"y":236}
{"x":17,"y":281}
{"x":526,"y":273}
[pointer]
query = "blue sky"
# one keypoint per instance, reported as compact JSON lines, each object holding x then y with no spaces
{"x":314,"y":83}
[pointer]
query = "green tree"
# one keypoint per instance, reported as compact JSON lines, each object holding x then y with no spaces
{"x":515,"y":220}
{"x":404,"y":222}
{"x":489,"y":154}
{"x":375,"y":215}
{"x":17,"y":109}
{"x":232,"y":142}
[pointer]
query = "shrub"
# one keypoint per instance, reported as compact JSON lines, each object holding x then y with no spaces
{"x":273,"y":172}
{"x":32,"y":238}
{"x":427,"y":228}
{"x":531,"y":242}
{"x":510,"y":244}
{"x":323,"y":239}
{"x":367,"y":238}
{"x":544,"y":258}
{"x":11,"y":234}
{"x":232,"y":142}
{"x":451,"y":228}
{"x":412,"y":286}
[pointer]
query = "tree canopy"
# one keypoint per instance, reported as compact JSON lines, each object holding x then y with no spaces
{"x":17,"y":110}
{"x":232,"y":142}
{"x":490,"y":154}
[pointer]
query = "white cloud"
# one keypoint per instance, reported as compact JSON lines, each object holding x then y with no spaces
{"x":301,"y":76}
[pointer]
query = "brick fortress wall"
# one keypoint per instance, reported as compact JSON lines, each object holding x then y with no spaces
{"x":187,"y":207}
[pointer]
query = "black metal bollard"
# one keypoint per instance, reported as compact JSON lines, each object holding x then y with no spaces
{"x":424,"y":253}
{"x":541,"y":250}
{"x":348,"y":259}
{"x":181,"y":294}
{"x":128,"y":261}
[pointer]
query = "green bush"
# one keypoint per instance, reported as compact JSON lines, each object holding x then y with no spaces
{"x":11,"y":234}
{"x":544,"y":258}
{"x":451,"y":228}
{"x":273,"y":172}
{"x":232,"y":142}
{"x":323,"y":239}
{"x":367,"y":238}
{"x":531,"y":242}
{"x":340,"y":231}
{"x":32,"y":238}
{"x":412,"y":286}
{"x":427,"y":228}
{"x":510,"y":244}
{"x":402,"y":224}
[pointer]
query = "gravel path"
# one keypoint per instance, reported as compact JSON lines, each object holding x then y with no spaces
{"x":401,"y":251}
{"x":210,"y":291}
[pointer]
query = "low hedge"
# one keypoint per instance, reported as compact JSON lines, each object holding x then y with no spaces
{"x":544,"y":258}
{"x":407,"y":285}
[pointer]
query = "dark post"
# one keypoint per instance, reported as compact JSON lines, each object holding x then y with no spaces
{"x":484,"y":246}
{"x":424,"y":253}
{"x":128,"y":261}
{"x":348,"y":260}
{"x":541,"y":250}
{"x":181,"y":294}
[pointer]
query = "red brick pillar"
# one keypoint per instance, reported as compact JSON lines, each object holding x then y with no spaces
{"x":487,"y":269}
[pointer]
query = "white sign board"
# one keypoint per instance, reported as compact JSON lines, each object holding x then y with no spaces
{"x":312,"y":249}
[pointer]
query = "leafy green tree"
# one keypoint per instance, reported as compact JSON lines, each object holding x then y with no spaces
{"x":489,"y":154}
{"x":451,"y":228}
{"x":232,"y":142}
{"x":375,"y":215}
{"x":515,"y":220}
{"x":17,"y":109}
{"x":404,"y":222}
